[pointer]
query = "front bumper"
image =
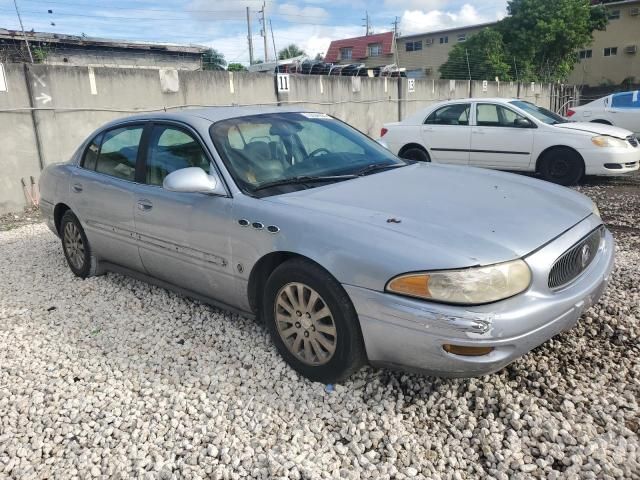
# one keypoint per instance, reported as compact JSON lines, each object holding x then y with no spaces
{"x":409,"y":334}
{"x":611,"y":161}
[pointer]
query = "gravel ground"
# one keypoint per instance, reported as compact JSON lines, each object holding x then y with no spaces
{"x":110,"y":377}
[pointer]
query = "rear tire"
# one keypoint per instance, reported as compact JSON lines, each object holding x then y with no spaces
{"x":563,"y":166}
{"x":416,"y":154}
{"x":76,"y":247}
{"x":312,"y":322}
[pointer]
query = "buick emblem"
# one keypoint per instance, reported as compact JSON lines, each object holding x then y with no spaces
{"x":585,"y":254}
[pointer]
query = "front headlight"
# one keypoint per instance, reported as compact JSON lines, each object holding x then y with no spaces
{"x":469,"y":286}
{"x":606,"y":141}
{"x":595,"y":210}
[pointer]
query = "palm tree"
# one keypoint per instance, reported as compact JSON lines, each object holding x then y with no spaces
{"x":290,"y":51}
{"x":213,"y":60}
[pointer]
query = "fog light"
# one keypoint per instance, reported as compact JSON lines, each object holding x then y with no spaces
{"x":467,"y":351}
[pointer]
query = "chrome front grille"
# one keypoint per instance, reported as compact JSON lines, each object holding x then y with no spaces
{"x":633,"y":140}
{"x":575,"y":260}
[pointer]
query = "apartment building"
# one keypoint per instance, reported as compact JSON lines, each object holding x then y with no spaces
{"x":423,"y":53}
{"x":614,"y":55}
{"x":374,"y":50}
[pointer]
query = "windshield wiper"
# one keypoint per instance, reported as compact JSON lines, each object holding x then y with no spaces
{"x":304,"y":179}
{"x":377,"y":167}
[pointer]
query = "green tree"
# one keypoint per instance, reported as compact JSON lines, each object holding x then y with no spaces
{"x":290,"y":51}
{"x":537,"y":41}
{"x":481,"y":57}
{"x":213,"y":60}
{"x":236,"y":67}
{"x":544,"y":36}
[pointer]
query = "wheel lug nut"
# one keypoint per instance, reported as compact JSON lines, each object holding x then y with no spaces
{"x":308,"y":315}
{"x":313,"y":328}
{"x":306,"y":334}
{"x":299,"y":313}
{"x":297,"y":324}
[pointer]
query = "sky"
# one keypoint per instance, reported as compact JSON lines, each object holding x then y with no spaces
{"x":310,"y":24}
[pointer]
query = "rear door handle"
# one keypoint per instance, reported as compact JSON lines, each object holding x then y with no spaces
{"x":76,"y":187}
{"x":479,"y":132}
{"x":144,"y":205}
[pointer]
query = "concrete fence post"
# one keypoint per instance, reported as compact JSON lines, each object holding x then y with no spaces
{"x":400,"y":99}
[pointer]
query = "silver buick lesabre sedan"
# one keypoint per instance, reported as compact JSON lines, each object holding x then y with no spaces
{"x":346,"y":252}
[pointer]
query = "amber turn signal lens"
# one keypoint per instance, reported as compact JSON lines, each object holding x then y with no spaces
{"x":412,"y":285}
{"x":467,"y":351}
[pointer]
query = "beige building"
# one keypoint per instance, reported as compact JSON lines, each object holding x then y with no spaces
{"x":614,"y":55}
{"x":423,"y":53}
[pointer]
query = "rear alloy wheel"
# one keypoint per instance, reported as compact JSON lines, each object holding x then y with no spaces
{"x":76,"y":246}
{"x":562,"y":166}
{"x":416,"y":154}
{"x":312,"y":322}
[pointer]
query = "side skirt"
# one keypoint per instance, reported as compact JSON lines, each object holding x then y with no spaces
{"x":112,"y":267}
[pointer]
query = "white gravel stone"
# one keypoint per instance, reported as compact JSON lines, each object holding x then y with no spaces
{"x":112,"y":378}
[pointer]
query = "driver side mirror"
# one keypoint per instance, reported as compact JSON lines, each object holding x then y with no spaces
{"x":193,"y":180}
{"x":523,"y":123}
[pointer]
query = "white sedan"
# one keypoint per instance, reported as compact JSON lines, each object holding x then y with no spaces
{"x":512,"y":134}
{"x":619,"y":109}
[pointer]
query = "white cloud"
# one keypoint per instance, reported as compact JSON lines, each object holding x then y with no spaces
{"x":295,"y":12}
{"x":417,"y":21}
{"x":414,"y":4}
{"x":312,"y":39}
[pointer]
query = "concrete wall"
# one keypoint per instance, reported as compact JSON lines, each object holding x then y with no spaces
{"x":70,"y":102}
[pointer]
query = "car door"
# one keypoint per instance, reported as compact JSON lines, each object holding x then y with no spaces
{"x":183,"y":237}
{"x":625,"y":110}
{"x":501,"y":138}
{"x":447,"y":135}
{"x":102,"y":189}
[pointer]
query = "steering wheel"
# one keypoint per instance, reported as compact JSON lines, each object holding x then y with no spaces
{"x":318,"y":151}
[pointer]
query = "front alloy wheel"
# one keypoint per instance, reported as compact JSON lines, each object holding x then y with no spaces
{"x":305,"y":324}
{"x":312,"y":321}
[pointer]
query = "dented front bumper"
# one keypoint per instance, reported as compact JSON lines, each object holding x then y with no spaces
{"x":410,"y":334}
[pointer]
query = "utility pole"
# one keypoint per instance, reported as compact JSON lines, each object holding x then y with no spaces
{"x":396,"y":32}
{"x":264,"y":34}
{"x":22,"y":28}
{"x":249,"y":38}
{"x":273,"y":39}
{"x":367,"y":24}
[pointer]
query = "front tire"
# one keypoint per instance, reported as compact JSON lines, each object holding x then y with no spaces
{"x":563,"y":166}
{"x":415,"y":154}
{"x":76,"y":247}
{"x":312,"y":322}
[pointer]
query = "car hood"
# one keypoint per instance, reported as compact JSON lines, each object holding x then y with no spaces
{"x":596,"y":128}
{"x":478,"y":216}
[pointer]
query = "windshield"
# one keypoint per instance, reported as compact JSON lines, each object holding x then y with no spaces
{"x":542,"y":114}
{"x":278,"y":152}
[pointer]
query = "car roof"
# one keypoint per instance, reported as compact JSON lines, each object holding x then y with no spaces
{"x":212,"y":114}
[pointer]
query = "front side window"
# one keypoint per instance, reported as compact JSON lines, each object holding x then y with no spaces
{"x":172,"y":149}
{"x":492,"y":115}
{"x":542,"y":114}
{"x":119,"y":152}
{"x":261,"y":150}
{"x":457,"y":114}
{"x":346,"y":53}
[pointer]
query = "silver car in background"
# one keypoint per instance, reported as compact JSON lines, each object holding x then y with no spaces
{"x":346,"y":252}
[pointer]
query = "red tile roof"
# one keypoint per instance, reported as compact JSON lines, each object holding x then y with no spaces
{"x":359,"y":46}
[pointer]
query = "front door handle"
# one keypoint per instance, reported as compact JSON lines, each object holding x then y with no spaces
{"x":479,"y":132}
{"x":144,"y":205}
{"x":76,"y":187}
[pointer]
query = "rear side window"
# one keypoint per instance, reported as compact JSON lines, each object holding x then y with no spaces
{"x":119,"y":152}
{"x":626,"y":100}
{"x":457,"y":114}
{"x":91,"y":153}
